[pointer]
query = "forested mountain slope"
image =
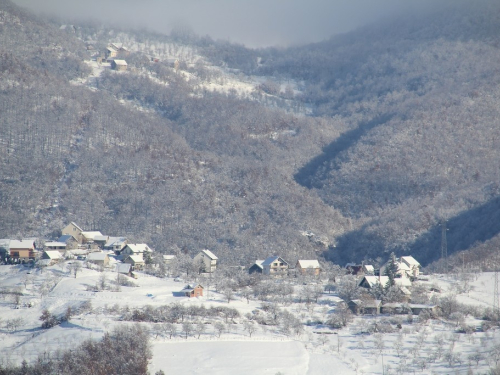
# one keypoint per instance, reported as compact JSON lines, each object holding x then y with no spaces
{"x":146,"y":156}
{"x":404,"y":132}
{"x":421,"y":95}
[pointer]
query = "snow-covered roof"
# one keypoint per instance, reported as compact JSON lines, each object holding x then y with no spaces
{"x":138,"y":248}
{"x":168,"y":258}
{"x":308,"y":263}
{"x":123,"y":267}
{"x":368,"y":303}
{"x":90,"y":235}
{"x":65,"y":238}
{"x":115,"y":241}
{"x":209,"y":254}
{"x":135,"y":258}
{"x":376,"y":280}
{"x":402,"y":281}
{"x":101,"y":238}
{"x":190,"y":288}
{"x":120,"y":62}
{"x":22,"y":244}
{"x":271,"y":260}
{"x":409,"y":260}
{"x":55,"y":244}
{"x":369,"y":268}
{"x":53,"y":254}
{"x":97,"y":256}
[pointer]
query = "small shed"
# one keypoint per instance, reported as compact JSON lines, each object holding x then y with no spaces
{"x":53,"y":256}
{"x":119,"y":65}
{"x":359,"y":307}
{"x":124,"y":269}
{"x":256,"y":267}
{"x":192,"y":291}
{"x":136,"y":261}
{"x":98,"y":258}
{"x":418,"y":308}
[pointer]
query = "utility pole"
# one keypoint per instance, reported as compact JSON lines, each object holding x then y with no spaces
{"x":444,"y":245}
{"x":496,"y":305}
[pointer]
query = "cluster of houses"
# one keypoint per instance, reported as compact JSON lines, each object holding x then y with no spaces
{"x":115,"y":54}
{"x":91,"y":246}
{"x":277,"y":266}
{"x":96,"y":248}
{"x":408,"y":270}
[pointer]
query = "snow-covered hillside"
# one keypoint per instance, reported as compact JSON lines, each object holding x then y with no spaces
{"x":401,"y":344}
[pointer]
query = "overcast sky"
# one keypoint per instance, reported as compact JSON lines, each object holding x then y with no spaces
{"x":254,"y":23}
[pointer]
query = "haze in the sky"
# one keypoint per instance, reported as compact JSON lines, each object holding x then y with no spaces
{"x":255,"y":23}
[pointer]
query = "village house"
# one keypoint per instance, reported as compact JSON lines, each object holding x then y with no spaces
{"x":52,"y":256}
{"x":168,"y":259}
{"x":136,"y":261}
{"x":371,"y":282}
{"x":88,"y":236}
{"x":54,"y":245}
{"x":274,"y":265}
{"x":256,"y":267}
{"x":73,"y":230}
{"x":117,"y":244}
{"x":110,"y":51}
{"x":124,"y":269}
{"x":412,"y":264}
{"x":359,"y":269}
{"x":408,"y":267}
{"x":138,"y":249}
{"x":359,"y":307}
{"x":100,"y":240}
{"x":206,"y":260}
{"x":22,"y":250}
{"x":99,"y":258}
{"x":119,"y":65}
{"x":69,"y":240}
{"x":308,"y":267}
{"x":192,"y":291}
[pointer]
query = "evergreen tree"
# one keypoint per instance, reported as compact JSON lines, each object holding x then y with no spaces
{"x":391,"y":270}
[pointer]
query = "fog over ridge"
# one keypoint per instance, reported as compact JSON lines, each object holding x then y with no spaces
{"x":255,"y":23}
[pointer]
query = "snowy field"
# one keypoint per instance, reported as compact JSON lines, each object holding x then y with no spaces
{"x":435,"y":347}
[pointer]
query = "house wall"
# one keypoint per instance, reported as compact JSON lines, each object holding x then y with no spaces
{"x":308,"y":271}
{"x":210,"y":265}
{"x":197,"y":292}
{"x":74,"y":231}
{"x":22,"y":254}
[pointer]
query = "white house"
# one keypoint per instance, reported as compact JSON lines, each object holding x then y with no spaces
{"x":206,"y":260}
{"x":138,"y":249}
{"x":412,"y":264}
{"x":274,"y":265}
{"x":73,"y":230}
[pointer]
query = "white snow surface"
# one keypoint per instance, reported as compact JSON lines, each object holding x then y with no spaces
{"x":268,"y":351}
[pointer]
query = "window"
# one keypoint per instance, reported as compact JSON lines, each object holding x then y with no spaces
{"x":15,"y":254}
